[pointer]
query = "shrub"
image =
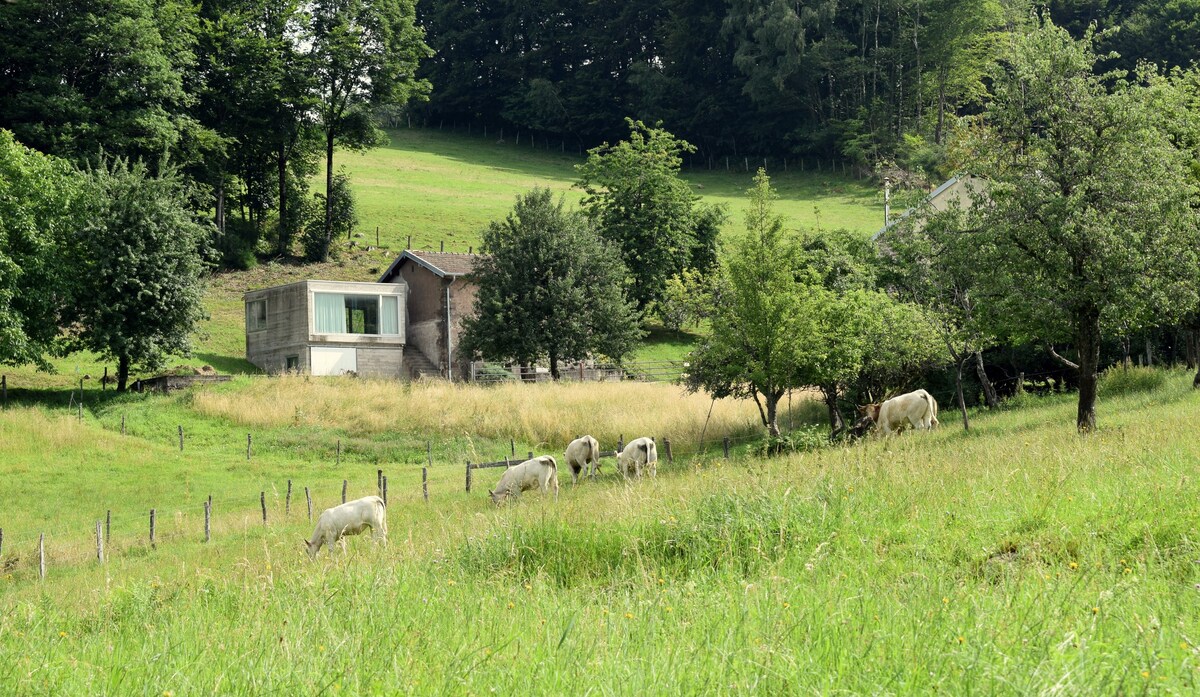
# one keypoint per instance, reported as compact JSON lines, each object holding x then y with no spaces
{"x":1119,"y":381}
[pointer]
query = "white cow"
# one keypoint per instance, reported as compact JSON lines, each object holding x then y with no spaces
{"x":583,"y":455}
{"x":540,"y":472}
{"x":638,"y":454}
{"x":918,"y":408}
{"x":350,"y":518}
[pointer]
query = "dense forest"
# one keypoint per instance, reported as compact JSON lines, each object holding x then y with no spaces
{"x":865,"y":80}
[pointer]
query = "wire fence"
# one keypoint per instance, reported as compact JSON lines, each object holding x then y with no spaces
{"x":148,"y":528}
{"x":584,"y":371}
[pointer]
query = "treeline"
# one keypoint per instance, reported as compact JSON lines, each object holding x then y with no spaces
{"x":243,"y":97}
{"x":866,"y":80}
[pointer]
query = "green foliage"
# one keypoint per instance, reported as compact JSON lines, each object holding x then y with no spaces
{"x":801,"y":440}
{"x":86,"y":78}
{"x":549,"y":287}
{"x":343,"y":216}
{"x":687,"y":299}
{"x":36,"y":194}
{"x":1118,"y":380}
{"x":1087,"y":220}
{"x":135,"y":258}
{"x":638,"y":201}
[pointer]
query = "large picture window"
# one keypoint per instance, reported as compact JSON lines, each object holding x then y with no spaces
{"x":340,"y":313}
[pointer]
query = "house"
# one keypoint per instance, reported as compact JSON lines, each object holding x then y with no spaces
{"x":440,"y":295}
{"x":328,"y":328}
{"x":406,"y":325}
{"x":955,"y":191}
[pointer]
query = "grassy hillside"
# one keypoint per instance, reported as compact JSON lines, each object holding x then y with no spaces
{"x":1019,"y":558}
{"x":445,"y":187}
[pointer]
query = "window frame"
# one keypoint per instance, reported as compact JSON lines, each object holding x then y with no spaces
{"x":252,"y":326}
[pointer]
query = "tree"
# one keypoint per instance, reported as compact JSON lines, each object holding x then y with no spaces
{"x":365,"y":55}
{"x":136,"y":264}
{"x":36,"y":194}
{"x":82,"y":77}
{"x":550,"y":287}
{"x":635,"y":196}
{"x":1087,"y":216}
{"x":760,"y":328}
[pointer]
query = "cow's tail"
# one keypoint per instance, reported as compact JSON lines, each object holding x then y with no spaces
{"x":553,"y":464}
{"x":933,"y":407}
{"x":593,"y":450}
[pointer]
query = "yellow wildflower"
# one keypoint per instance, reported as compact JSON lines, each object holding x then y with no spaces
{"x":628,"y":615}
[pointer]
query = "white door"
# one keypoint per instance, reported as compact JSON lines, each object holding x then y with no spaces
{"x":333,"y":361}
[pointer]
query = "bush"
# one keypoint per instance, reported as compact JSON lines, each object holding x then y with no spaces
{"x":237,"y":245}
{"x":1118,"y":380}
{"x":803,"y":439}
{"x":344,"y":214}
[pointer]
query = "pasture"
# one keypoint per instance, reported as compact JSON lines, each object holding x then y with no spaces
{"x":1018,"y":558}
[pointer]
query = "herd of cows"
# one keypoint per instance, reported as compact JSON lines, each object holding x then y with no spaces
{"x":916,"y":409}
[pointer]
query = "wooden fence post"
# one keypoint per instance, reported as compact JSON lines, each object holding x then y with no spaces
{"x":4,"y":389}
{"x":249,"y":441}
{"x":667,"y":444}
{"x":726,"y":444}
{"x":287,"y":506}
{"x":468,"y":476}
{"x":104,"y":380}
{"x":99,"y":543}
{"x":530,"y":455}
{"x":207,"y":521}
{"x":344,"y":484}
{"x":379,"y":482}
{"x":425,"y":483}
{"x":42,"y":556}
{"x":429,"y":453}
{"x":262,"y":499}
{"x":152,"y":528}
{"x":1,"y":541}
{"x":308,"y":499}
{"x":108,"y":525}
{"x":122,"y":424}
{"x":181,"y":438}
{"x":385,"y":491}
{"x":512,"y":447}
{"x":339,"y":452}
{"x":620,"y":443}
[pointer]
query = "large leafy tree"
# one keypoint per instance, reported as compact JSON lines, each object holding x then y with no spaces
{"x":637,"y":199}
{"x":36,"y":194}
{"x":549,"y":287}
{"x":1088,"y":214}
{"x":364,"y":54}
{"x":136,"y":264}
{"x":82,"y":77}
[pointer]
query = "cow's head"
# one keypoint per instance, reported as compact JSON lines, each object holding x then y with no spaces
{"x":498,"y":496}
{"x":310,"y":548}
{"x":870,"y":411}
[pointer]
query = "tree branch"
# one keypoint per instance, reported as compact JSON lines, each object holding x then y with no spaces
{"x":1060,"y":359}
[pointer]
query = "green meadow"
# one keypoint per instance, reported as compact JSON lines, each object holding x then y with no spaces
{"x":1018,"y":558}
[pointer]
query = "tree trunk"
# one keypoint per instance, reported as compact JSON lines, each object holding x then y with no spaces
{"x":1087,"y":342}
{"x":285,"y":233}
{"x":772,"y":399}
{"x":1125,"y":352}
{"x":989,"y":390}
{"x":328,"y":239}
{"x":219,"y":216}
{"x":836,"y":424}
{"x":554,"y":364}
{"x":962,"y":404}
{"x":122,"y":372}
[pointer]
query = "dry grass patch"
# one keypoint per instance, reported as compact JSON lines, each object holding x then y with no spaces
{"x":549,"y":413}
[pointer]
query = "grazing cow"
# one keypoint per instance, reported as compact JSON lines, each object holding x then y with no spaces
{"x":583,"y":455}
{"x":540,"y":472}
{"x":638,"y":454}
{"x":350,"y":518}
{"x":917,"y":408}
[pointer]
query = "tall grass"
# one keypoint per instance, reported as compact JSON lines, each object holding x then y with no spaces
{"x":1019,"y":558}
{"x":545,"y":413}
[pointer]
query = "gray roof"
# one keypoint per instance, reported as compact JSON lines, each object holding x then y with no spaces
{"x":931,"y":197}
